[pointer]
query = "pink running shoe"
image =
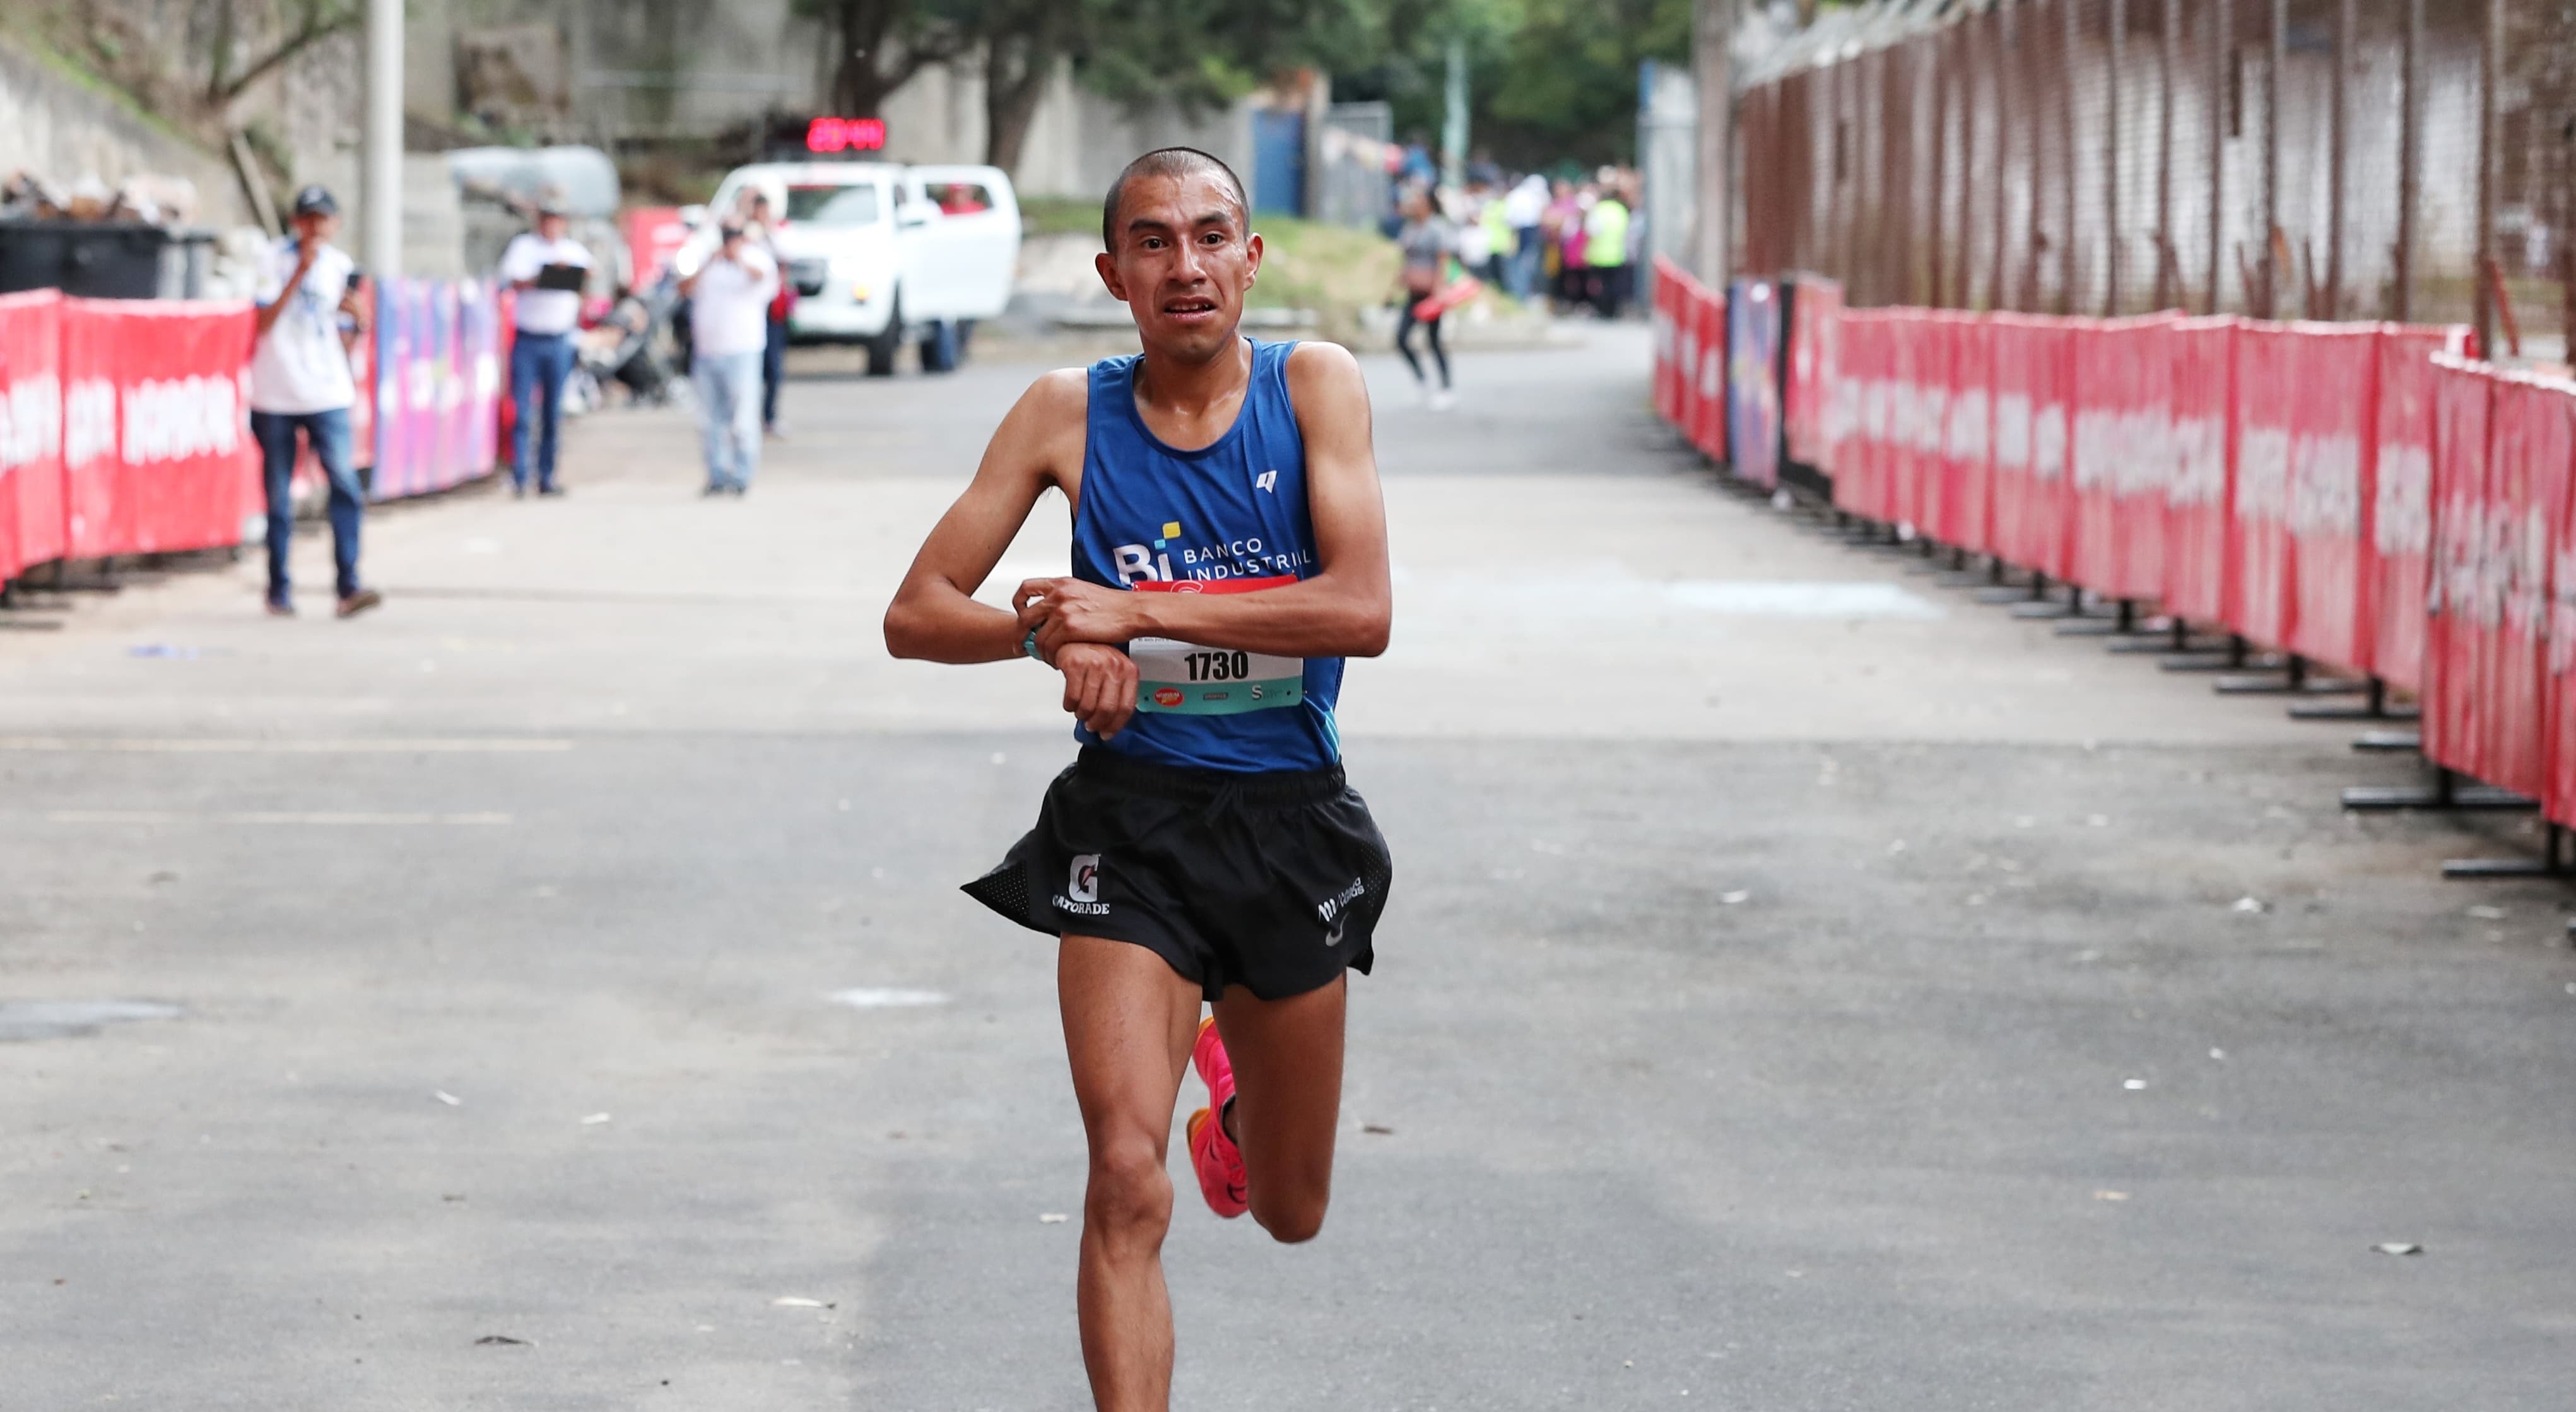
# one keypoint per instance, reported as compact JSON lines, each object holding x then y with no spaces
{"x":1213,"y":1155}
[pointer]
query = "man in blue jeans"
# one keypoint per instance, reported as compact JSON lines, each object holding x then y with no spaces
{"x":728,"y":322}
{"x":541,"y":354}
{"x":299,"y":381}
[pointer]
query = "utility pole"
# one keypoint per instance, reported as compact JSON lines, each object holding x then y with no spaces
{"x":1714,"y":70}
{"x":381,"y":206}
{"x":1453,"y":128}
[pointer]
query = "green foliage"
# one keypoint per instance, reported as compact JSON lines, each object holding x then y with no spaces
{"x":1549,"y":81}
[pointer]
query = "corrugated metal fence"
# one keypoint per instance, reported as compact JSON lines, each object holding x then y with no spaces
{"x":2284,"y":158}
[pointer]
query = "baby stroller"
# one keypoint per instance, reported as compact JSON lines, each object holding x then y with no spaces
{"x":624,"y":347}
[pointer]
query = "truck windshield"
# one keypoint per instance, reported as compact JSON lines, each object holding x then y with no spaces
{"x":832,"y":205}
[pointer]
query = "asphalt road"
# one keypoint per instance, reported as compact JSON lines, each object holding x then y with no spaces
{"x":1803,"y":989}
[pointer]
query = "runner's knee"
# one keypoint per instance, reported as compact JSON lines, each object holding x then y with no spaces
{"x":1129,"y":1195}
{"x":1293,"y":1219}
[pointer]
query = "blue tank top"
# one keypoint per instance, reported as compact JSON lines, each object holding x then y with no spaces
{"x":1221,"y":519}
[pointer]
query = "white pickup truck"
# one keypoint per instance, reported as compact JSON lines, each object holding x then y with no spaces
{"x":877,"y":248}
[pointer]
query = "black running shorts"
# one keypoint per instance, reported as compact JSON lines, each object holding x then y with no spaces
{"x":1273,"y":881}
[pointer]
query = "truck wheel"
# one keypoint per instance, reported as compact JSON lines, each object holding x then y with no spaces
{"x":888,"y":342}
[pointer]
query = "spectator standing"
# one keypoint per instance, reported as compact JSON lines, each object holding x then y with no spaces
{"x":1605,"y":247}
{"x":729,"y":296}
{"x":1428,"y":240}
{"x":760,"y":227}
{"x":541,"y":356}
{"x":1565,"y":235}
{"x":299,"y":382}
{"x":1523,"y":210}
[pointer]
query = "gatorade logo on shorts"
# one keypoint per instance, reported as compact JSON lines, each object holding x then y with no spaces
{"x":1081,"y":894}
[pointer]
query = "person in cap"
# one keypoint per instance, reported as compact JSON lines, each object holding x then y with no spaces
{"x":729,"y":299}
{"x":308,"y":318}
{"x":541,"y":356}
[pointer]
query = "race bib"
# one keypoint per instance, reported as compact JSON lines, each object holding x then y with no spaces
{"x":1184,"y":678}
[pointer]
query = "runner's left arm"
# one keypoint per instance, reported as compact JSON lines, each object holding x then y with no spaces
{"x":1345,"y":610}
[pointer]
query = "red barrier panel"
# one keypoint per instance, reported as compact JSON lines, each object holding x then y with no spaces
{"x":2530,"y":448}
{"x":1966,"y":473}
{"x":157,"y":454}
{"x":2333,"y":374}
{"x":2463,"y":401}
{"x":2559,"y":801}
{"x":1666,"y":299}
{"x":2401,"y":513}
{"x":2032,"y":363}
{"x":2267,"y":394}
{"x":1708,"y":317}
{"x":1922,"y":416}
{"x":31,"y":430}
{"x":2201,"y":357}
{"x":1858,"y":484}
{"x":2122,"y":456}
{"x":1684,"y":372}
{"x":1815,"y":328}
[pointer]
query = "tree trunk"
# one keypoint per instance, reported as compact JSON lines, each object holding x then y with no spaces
{"x":1011,"y":96}
{"x":873,"y":61}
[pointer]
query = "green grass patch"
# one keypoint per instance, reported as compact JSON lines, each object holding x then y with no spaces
{"x":1059,"y":215}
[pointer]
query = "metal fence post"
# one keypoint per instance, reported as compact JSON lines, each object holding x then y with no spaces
{"x":2275,"y":67}
{"x":1998,"y":36}
{"x":2168,"y":40}
{"x":2338,"y":160}
{"x":2068,"y":41}
{"x":2112,"y":244}
{"x":2490,"y":67}
{"x":2410,"y":143}
{"x":2222,"y":67}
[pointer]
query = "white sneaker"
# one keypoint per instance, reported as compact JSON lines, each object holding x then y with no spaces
{"x":1441,"y":400}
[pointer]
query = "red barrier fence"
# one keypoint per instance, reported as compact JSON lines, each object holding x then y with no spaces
{"x":31,"y":430}
{"x":157,"y":452}
{"x":124,"y":425}
{"x":2359,"y":495}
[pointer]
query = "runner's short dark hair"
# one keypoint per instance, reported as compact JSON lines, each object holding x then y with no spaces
{"x":1167,"y":162}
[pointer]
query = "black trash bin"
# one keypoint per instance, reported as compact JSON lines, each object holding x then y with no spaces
{"x":102,"y":259}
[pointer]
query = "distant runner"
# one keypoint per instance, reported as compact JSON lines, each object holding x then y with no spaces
{"x":1229,"y":550}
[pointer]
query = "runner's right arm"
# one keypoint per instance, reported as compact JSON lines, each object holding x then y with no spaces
{"x":934,"y":615}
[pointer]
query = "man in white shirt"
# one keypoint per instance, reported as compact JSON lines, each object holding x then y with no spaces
{"x":541,"y":354}
{"x":729,"y":323}
{"x":299,"y":381}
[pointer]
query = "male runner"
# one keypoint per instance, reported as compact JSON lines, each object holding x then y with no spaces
{"x":1229,"y":550}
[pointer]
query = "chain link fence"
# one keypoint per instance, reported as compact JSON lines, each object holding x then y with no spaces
{"x":2282,"y":158}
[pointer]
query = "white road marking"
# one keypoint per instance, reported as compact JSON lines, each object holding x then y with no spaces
{"x":268,"y":816}
{"x":881,"y":998}
{"x":286,"y":745}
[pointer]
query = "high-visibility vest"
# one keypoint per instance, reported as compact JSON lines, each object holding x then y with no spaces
{"x":1605,"y":234}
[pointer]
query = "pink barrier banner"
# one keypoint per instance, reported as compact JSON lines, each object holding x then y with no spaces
{"x":2201,"y":361}
{"x":2033,"y":359}
{"x":2559,"y":800}
{"x":438,"y":385}
{"x":1815,"y":328}
{"x":654,"y":235}
{"x":1966,"y":497}
{"x":2463,"y":398}
{"x":31,"y":430}
{"x":2530,"y":446}
{"x":2121,"y":461}
{"x":157,"y":454}
{"x":2401,"y":513}
{"x":2267,"y":397}
{"x":2333,"y":386}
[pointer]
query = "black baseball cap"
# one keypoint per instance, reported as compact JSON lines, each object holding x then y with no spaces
{"x":316,"y":201}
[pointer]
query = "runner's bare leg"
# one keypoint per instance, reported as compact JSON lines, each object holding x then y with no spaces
{"x":1288,"y":1100}
{"x":1128,"y":1023}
